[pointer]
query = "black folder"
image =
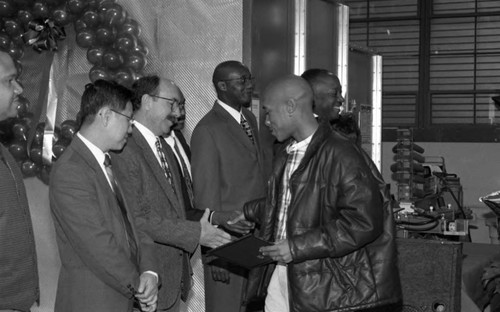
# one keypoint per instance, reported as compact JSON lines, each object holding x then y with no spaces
{"x":243,"y":252}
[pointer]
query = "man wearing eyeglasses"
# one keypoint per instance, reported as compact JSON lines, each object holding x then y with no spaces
{"x":227,"y":168}
{"x":152,"y":184}
{"x":106,"y":263}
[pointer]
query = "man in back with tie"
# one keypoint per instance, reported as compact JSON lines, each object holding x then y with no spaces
{"x":228,"y":170}
{"x":106,"y":262}
{"x":152,"y":183}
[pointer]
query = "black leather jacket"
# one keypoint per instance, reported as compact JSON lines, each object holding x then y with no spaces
{"x":339,"y":229}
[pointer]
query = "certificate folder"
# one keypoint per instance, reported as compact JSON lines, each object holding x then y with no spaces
{"x":243,"y":251}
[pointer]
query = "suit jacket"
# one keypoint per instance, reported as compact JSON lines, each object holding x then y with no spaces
{"x":159,"y":212}
{"x":98,"y":268}
{"x":227,"y":168}
{"x":18,"y":263}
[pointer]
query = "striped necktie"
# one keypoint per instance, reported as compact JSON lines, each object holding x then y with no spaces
{"x":164,"y":164}
{"x":244,"y":124}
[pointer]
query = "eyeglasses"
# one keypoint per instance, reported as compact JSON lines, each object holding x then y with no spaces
{"x":130,"y":119}
{"x":242,"y":80}
{"x":173,"y":101}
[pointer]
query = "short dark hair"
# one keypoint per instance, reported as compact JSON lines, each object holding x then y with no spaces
{"x":222,"y":70}
{"x":99,"y":94}
{"x":314,"y":74}
{"x":144,"y":85}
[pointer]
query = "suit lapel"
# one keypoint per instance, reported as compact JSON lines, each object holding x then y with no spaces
{"x":234,"y":128}
{"x":153,"y":164}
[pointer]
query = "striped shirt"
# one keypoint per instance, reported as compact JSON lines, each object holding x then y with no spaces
{"x":296,"y":151}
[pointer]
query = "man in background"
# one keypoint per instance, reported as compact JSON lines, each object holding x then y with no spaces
{"x":19,"y":287}
{"x":106,"y":263}
{"x":324,"y":214}
{"x":227,"y":168}
{"x":328,"y":99}
{"x":152,"y":183}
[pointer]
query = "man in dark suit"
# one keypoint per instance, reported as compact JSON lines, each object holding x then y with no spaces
{"x":18,"y":270}
{"x":106,"y":263}
{"x":227,"y":166}
{"x":153,"y":185}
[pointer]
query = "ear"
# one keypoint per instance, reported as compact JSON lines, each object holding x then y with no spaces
{"x":222,"y":85}
{"x":290,"y":106}
{"x":104,"y":115}
{"x":146,"y":101}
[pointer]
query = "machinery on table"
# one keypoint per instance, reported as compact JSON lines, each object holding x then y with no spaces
{"x":430,"y":199}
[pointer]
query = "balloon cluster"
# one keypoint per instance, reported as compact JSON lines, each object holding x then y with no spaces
{"x":113,"y":48}
{"x":26,"y":145}
{"x":111,"y":39}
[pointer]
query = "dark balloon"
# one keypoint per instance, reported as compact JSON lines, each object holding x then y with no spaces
{"x":4,"y":41}
{"x":16,"y":51}
{"x":80,"y":25}
{"x":98,"y":72}
{"x":29,"y":168}
{"x":131,"y":27}
{"x":125,"y":43}
{"x":23,"y":106}
{"x":114,"y":15}
{"x":36,"y":153}
{"x":59,"y":147}
{"x":76,"y":6}
{"x":24,"y":17}
{"x":18,"y":150}
{"x":19,"y":67}
{"x":141,"y":48}
{"x":94,"y":55}
{"x":68,"y":129}
{"x":93,"y":4}
{"x":112,"y":59}
{"x":135,"y":61}
{"x":54,"y":2}
{"x":20,"y":131}
{"x":38,"y":138}
{"x":61,"y":17}
{"x":85,"y":38}
{"x":6,"y":8}
{"x":12,"y":27}
{"x":125,"y":77}
{"x":40,"y":10}
{"x":105,"y":36}
{"x":91,"y":19}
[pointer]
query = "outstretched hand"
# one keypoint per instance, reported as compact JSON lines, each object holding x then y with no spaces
{"x":233,"y":221}
{"x":279,"y":252}
{"x":210,"y":235}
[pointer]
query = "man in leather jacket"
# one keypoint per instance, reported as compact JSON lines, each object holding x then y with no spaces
{"x":334,"y":244}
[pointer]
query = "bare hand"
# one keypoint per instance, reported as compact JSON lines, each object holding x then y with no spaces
{"x":220,"y":274}
{"x":210,"y":235}
{"x":226,"y":218}
{"x":279,"y":252}
{"x":147,"y":293}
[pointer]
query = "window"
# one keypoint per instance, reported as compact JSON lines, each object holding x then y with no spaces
{"x":441,"y":64}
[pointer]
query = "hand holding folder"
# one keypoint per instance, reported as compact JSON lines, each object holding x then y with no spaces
{"x":243,"y":252}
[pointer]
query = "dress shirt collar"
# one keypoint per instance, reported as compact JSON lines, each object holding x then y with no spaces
{"x":236,"y":114}
{"x":299,"y":146}
{"x":98,"y":154}
{"x":147,"y":134}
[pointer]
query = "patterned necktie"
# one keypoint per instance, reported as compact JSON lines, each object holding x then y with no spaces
{"x":244,"y":124}
{"x":119,"y":199}
{"x":164,"y":163}
{"x":185,"y":174}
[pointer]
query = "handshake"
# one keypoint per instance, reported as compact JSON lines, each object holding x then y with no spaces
{"x":232,"y":221}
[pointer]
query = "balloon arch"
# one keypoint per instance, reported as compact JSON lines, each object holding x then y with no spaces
{"x":103,"y":27}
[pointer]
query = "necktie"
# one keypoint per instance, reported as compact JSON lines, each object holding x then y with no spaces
{"x":244,"y":124}
{"x":164,"y":163}
{"x":119,"y":199}
{"x":185,"y":174}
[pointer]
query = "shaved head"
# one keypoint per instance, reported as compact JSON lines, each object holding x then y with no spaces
{"x":288,"y":106}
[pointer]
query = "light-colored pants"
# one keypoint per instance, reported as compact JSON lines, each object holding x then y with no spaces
{"x":277,"y":291}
